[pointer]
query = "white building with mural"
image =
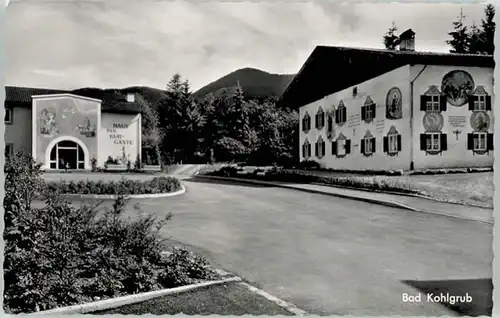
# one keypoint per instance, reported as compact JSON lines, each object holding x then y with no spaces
{"x":67,"y":131}
{"x":364,"y":109}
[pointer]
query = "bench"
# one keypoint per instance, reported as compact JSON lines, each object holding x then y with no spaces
{"x":112,"y":167}
{"x":151,"y":168}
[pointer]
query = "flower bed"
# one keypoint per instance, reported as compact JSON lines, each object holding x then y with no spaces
{"x":124,"y":186}
{"x":367,"y":183}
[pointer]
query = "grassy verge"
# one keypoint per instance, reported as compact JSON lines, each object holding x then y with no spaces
{"x":227,"y":299}
{"x":475,"y":189}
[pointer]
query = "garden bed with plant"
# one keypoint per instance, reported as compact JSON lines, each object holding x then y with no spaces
{"x":279,"y":175}
{"x":60,"y":255}
{"x":473,"y":188}
{"x":125,"y":186}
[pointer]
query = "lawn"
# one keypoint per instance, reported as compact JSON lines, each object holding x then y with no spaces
{"x":226,"y":299}
{"x":464,"y":188}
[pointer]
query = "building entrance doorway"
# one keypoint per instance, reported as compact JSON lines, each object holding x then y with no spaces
{"x":67,"y":154}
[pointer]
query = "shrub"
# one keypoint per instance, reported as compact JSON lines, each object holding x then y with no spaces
{"x":309,"y":164}
{"x":137,"y":163}
{"x":111,"y":161}
{"x":61,"y":254}
{"x":124,"y":186}
{"x":227,"y":171}
{"x":93,"y":163}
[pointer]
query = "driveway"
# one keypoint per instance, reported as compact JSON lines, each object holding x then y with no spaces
{"x":330,"y":255}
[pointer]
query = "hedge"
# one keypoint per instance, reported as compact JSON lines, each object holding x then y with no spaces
{"x":124,"y":186}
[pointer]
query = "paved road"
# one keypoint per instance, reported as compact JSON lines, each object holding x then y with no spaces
{"x":329,"y":255}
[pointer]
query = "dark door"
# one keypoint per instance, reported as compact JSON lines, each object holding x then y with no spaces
{"x":67,"y":157}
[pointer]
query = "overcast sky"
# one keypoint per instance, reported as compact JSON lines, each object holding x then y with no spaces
{"x":68,"y":44}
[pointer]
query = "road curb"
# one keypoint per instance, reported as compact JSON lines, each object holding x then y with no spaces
{"x":128,"y":300}
{"x":131,"y":196}
{"x":344,"y":196}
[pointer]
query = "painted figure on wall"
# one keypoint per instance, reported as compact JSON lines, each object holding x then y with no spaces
{"x":330,"y":131}
{"x":457,"y":85}
{"x":433,"y":122}
{"x":47,"y":123}
{"x":480,"y":121}
{"x":87,"y":129}
{"x":394,"y":104}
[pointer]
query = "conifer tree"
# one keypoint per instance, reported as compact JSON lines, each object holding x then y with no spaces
{"x":460,"y":36}
{"x":390,"y":39}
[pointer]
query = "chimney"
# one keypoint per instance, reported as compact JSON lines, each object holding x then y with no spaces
{"x":130,"y":97}
{"x":407,"y":41}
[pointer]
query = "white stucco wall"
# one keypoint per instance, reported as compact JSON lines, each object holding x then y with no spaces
{"x":119,"y":133}
{"x":455,"y":118}
{"x":377,"y":89}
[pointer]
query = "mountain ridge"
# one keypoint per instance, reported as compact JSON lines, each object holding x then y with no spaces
{"x":254,"y":82}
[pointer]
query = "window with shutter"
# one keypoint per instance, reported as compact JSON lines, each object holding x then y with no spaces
{"x":444,"y":142}
{"x":423,"y":142}
{"x":342,"y":115}
{"x":341,"y":148}
{"x":490,"y":142}
{"x":9,"y":150}
{"x":306,"y":123}
{"x":480,"y":102}
{"x":334,"y":148}
{"x":423,"y":102}
{"x":488,"y":102}
{"x":368,"y":146}
{"x":443,"y":102}
{"x":433,"y":142}
{"x":433,"y":103}
{"x":470,"y":141}
{"x":393,"y":144}
{"x":8,"y":116}
{"x":368,"y":113}
{"x":348,"y":146}
{"x":477,"y":141}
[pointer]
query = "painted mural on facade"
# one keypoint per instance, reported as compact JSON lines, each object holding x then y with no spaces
{"x":57,"y":118}
{"x":456,"y":86}
{"x":394,"y":104}
{"x":47,"y":123}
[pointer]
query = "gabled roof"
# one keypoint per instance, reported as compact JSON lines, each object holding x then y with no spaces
{"x":330,"y":69}
{"x":112,"y":101}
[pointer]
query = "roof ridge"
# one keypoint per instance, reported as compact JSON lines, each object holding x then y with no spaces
{"x":430,"y":53}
